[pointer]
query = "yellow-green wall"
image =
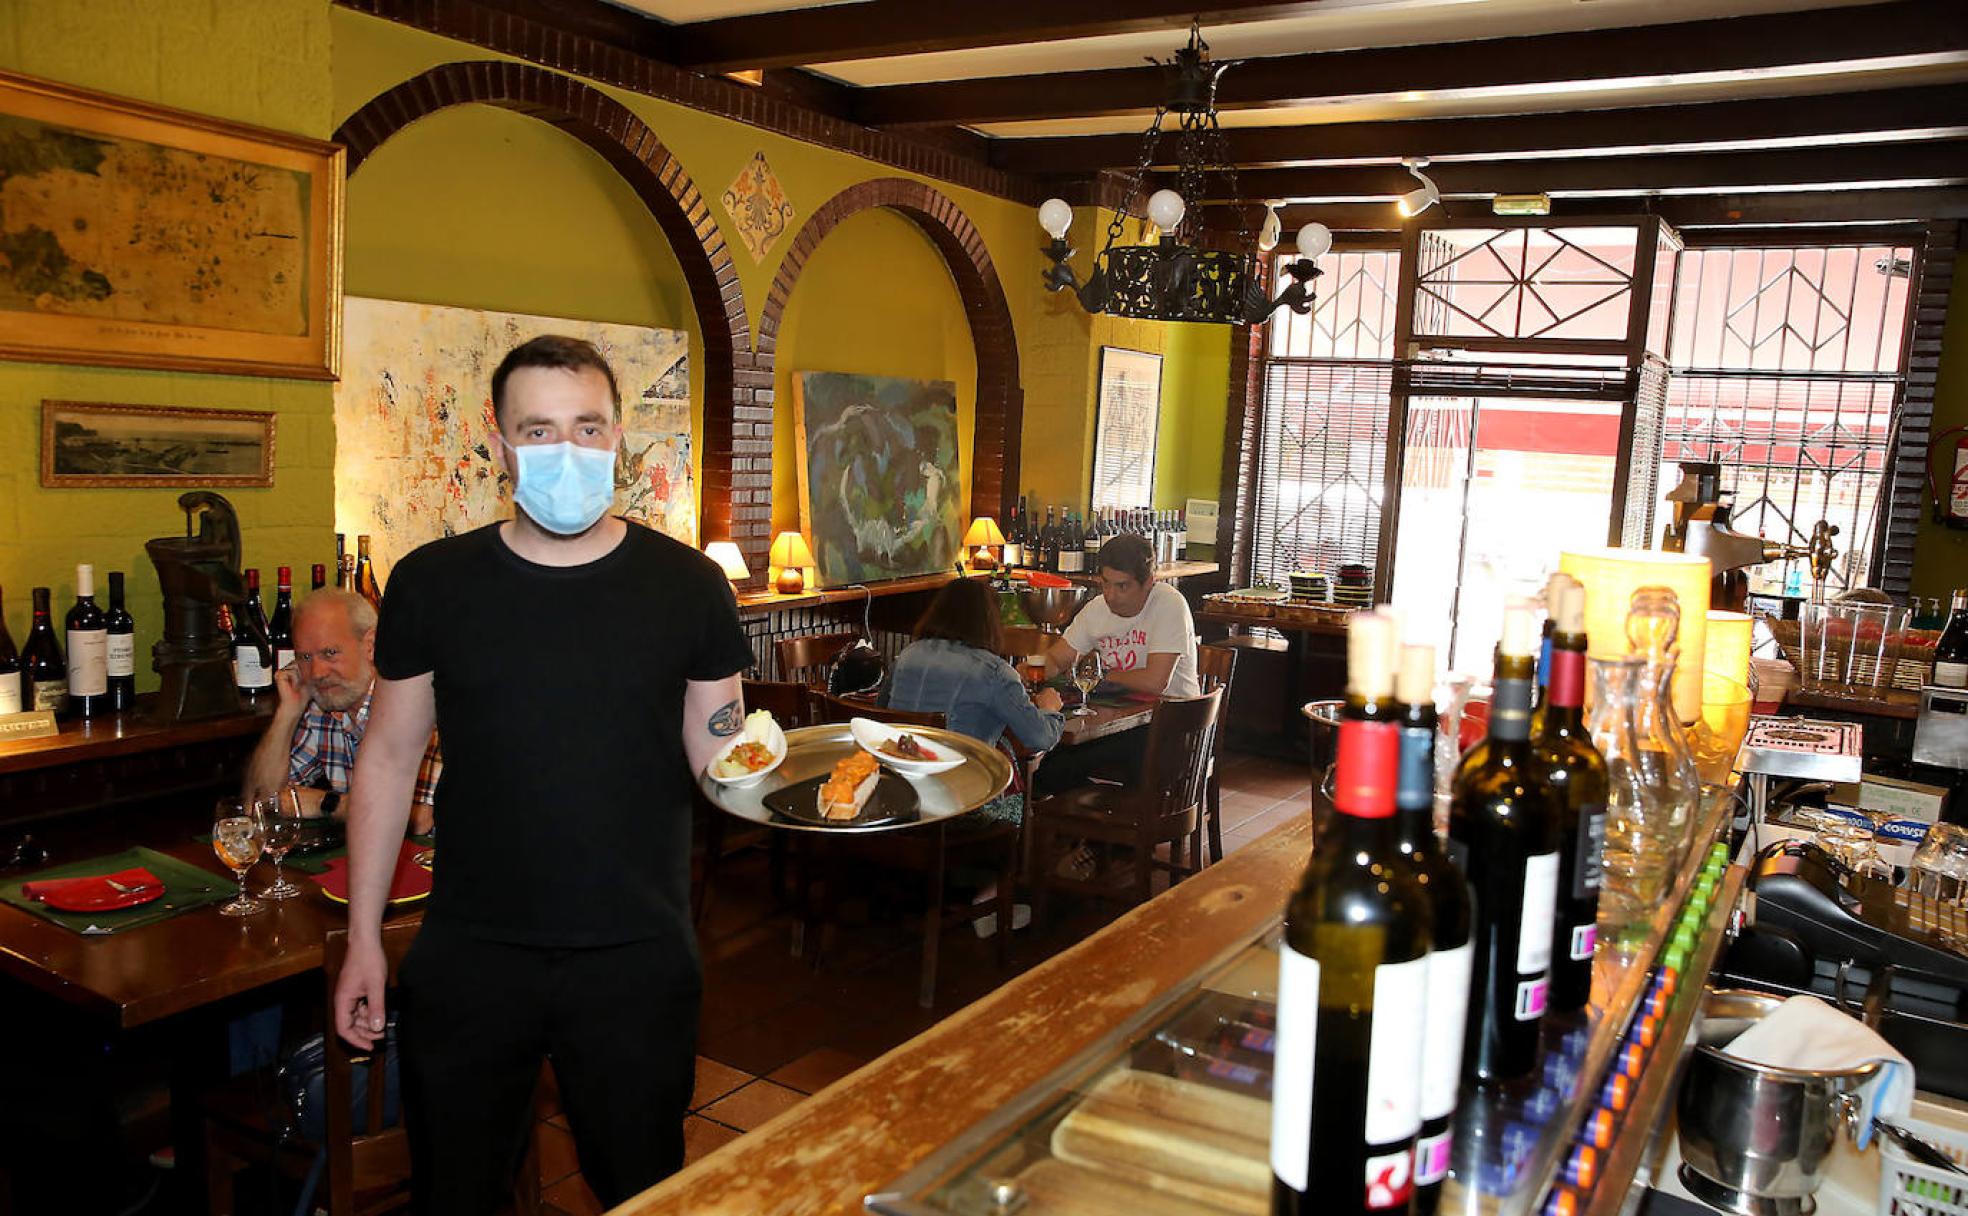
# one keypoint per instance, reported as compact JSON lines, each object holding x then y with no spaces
{"x":262,"y":63}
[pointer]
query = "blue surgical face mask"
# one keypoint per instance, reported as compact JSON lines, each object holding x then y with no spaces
{"x":564,"y":487}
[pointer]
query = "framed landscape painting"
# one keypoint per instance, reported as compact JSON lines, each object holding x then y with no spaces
{"x":88,"y":443}
{"x":879,"y":478}
{"x":139,"y":236}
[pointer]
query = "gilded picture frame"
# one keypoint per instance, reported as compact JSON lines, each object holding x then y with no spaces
{"x":89,"y":444}
{"x":141,"y":236}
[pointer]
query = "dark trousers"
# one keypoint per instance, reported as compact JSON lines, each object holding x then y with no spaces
{"x":1116,"y":758}
{"x":477,"y":1019}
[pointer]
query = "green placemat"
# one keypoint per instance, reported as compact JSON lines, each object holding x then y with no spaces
{"x":317,"y":861}
{"x":186,"y":886}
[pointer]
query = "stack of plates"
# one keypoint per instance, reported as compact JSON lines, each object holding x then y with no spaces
{"x":1354,"y":588}
{"x":1308,"y":588}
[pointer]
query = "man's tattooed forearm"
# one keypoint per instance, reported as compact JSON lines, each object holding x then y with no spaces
{"x":728,"y":719}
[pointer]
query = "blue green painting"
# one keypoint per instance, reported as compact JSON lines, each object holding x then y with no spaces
{"x":878,"y":475}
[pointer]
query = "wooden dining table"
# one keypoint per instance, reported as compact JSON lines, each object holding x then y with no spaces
{"x":1106,"y":720}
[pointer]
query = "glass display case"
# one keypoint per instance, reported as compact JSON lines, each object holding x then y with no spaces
{"x":1171,"y":1112}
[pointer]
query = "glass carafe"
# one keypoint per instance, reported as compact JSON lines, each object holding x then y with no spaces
{"x":1653,"y":622}
{"x":1638,"y":839}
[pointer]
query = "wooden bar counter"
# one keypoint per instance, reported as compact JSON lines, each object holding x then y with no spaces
{"x":869,"y":1128}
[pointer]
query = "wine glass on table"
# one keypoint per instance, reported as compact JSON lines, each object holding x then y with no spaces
{"x":1087,"y":670}
{"x":238,"y":836}
{"x":280,"y":817}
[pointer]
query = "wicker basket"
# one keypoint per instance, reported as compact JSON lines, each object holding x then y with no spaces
{"x":1846,"y":667}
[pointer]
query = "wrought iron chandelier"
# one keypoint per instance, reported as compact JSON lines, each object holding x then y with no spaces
{"x":1177,"y":279}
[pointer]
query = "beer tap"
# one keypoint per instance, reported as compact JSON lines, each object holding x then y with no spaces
{"x":1821,"y":554}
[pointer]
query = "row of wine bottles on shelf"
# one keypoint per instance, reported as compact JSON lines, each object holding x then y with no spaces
{"x":1066,"y":543}
{"x":90,"y":670}
{"x":1411,"y":964}
{"x":98,"y":676}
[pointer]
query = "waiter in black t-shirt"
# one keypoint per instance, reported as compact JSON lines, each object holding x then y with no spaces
{"x":581,"y":669}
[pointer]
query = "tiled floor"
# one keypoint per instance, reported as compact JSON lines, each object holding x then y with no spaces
{"x":776,"y":1029}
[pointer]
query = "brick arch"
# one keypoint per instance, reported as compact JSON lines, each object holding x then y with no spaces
{"x":658,"y":179}
{"x":1000,"y":397}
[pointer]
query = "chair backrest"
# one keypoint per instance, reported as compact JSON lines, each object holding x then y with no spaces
{"x":1174,"y":771}
{"x":382,"y":1150}
{"x":829,"y":708}
{"x":1215,"y":665}
{"x":804,"y":659}
{"x":787,"y":701}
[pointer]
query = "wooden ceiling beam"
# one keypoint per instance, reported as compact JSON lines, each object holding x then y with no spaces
{"x":1760,"y":118}
{"x":1705,"y":171}
{"x":1814,"y":207}
{"x":880,"y":29}
{"x":1833,"y":35}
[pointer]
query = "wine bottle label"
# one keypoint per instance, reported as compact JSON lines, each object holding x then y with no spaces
{"x":1400,"y":1013}
{"x":247,"y":670}
{"x":1531,"y":997}
{"x":1291,"y":1070}
{"x":1584,"y":938}
{"x":10,"y":692}
{"x":1952,"y":675}
{"x":1540,"y":907}
{"x":88,"y":662}
{"x":50,"y":694}
{"x":1432,"y":1157}
{"x":283,"y":658}
{"x":1072,"y":561}
{"x":122,"y":654}
{"x":1441,"y":1045}
{"x":1390,"y":1181}
{"x":1014,"y":553}
{"x":1588,"y":864}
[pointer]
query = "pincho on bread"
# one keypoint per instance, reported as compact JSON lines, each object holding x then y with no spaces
{"x":849,"y":788}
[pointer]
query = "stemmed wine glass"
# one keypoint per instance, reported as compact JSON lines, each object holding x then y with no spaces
{"x":238,"y":835}
{"x":1087,"y":670}
{"x":280,"y":815}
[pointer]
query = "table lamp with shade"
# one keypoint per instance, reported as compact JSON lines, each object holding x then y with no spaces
{"x":791,"y":555}
{"x":725,"y":554}
{"x":983,"y":534}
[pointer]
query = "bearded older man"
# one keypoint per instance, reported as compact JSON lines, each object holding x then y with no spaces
{"x":323,"y":712}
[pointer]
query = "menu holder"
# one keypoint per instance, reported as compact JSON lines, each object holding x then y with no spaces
{"x":32,"y":724}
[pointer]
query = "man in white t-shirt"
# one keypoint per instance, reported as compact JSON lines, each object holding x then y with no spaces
{"x":1147,"y":643}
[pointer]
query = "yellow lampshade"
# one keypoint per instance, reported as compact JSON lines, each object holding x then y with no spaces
{"x":726,"y":555}
{"x":790,"y":549}
{"x":983,"y":531}
{"x":1727,"y":653}
{"x":1611,"y":576}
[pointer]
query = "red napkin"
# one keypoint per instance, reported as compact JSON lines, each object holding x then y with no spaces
{"x":95,"y":888}
{"x":411,"y":881}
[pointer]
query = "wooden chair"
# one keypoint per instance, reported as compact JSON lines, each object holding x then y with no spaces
{"x":790,"y":707}
{"x":928,"y":851}
{"x":1163,"y":806}
{"x":367,"y":1172}
{"x":1215,"y":666}
{"x":804,"y":659}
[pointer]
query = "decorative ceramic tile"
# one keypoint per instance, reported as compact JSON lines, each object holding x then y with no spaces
{"x":758,"y":206}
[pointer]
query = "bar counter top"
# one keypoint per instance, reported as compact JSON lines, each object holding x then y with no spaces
{"x":128,"y":733}
{"x":872,"y":1126}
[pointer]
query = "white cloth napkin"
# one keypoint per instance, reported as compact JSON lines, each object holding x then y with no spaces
{"x":1807,"y":1033}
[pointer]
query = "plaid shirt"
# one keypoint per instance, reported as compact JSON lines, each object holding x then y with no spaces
{"x":324,"y":748}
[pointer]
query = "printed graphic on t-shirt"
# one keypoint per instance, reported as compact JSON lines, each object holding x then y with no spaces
{"x":1123,"y":651}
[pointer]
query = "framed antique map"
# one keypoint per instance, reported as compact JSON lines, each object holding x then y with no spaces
{"x":89,"y":443}
{"x":140,"y":236}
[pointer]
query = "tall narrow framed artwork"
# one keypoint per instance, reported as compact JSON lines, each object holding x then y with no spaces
{"x":1129,"y":413}
{"x":134,"y":235}
{"x":881,"y":490}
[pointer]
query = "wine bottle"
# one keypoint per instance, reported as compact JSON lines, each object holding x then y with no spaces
{"x":10,"y":667}
{"x":1450,"y":912}
{"x":44,"y":677}
{"x":249,"y":669}
{"x":341,"y":559}
{"x":1503,"y":829}
{"x":1951,"y":651}
{"x":1089,"y":544}
{"x":280,"y":626}
{"x":367,"y":585}
{"x":1576,"y":774}
{"x":1072,"y":546}
{"x":318,"y":577}
{"x":88,"y":649}
{"x":1352,"y":977}
{"x":1049,"y":545}
{"x":122,"y":654}
{"x":1014,"y":548}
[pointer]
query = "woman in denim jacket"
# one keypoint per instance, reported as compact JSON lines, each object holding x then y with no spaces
{"x":953,"y":668}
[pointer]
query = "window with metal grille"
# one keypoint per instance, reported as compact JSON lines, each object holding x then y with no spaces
{"x":1788,"y":371}
{"x":1325,"y":388}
